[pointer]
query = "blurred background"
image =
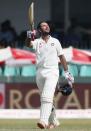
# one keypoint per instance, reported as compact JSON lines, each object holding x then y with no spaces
{"x":70,"y":22}
{"x":67,"y":18}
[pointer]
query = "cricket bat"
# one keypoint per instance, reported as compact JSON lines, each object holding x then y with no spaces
{"x":31,"y":15}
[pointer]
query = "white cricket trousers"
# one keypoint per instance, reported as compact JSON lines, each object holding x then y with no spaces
{"x":46,"y":81}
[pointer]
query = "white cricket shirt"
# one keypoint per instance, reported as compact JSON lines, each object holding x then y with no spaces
{"x":47,"y":53}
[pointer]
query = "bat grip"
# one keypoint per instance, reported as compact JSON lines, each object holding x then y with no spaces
{"x":32,"y":36}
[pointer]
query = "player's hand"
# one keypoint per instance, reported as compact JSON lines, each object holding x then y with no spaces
{"x":31,"y":34}
{"x":69,"y":77}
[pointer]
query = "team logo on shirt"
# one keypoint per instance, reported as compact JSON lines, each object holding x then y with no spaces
{"x":40,"y":45}
{"x":52,"y":44}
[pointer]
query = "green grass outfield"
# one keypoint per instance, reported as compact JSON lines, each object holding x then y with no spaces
{"x":30,"y":125}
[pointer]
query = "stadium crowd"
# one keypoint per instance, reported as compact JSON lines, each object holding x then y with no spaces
{"x":77,"y":35}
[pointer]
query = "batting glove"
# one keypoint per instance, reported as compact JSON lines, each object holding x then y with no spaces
{"x":31,"y":34}
{"x":69,"y":77}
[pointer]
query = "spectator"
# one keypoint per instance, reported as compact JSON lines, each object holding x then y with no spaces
{"x":21,"y":39}
{"x":3,"y":44}
{"x":8,"y":32}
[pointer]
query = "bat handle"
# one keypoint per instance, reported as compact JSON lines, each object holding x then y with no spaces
{"x":32,"y":37}
{"x":33,"y":34}
{"x":32,"y":26}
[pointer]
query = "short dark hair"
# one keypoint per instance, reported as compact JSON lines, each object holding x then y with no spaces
{"x":39,"y":24}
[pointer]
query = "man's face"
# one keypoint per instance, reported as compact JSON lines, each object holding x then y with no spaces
{"x":45,"y":29}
